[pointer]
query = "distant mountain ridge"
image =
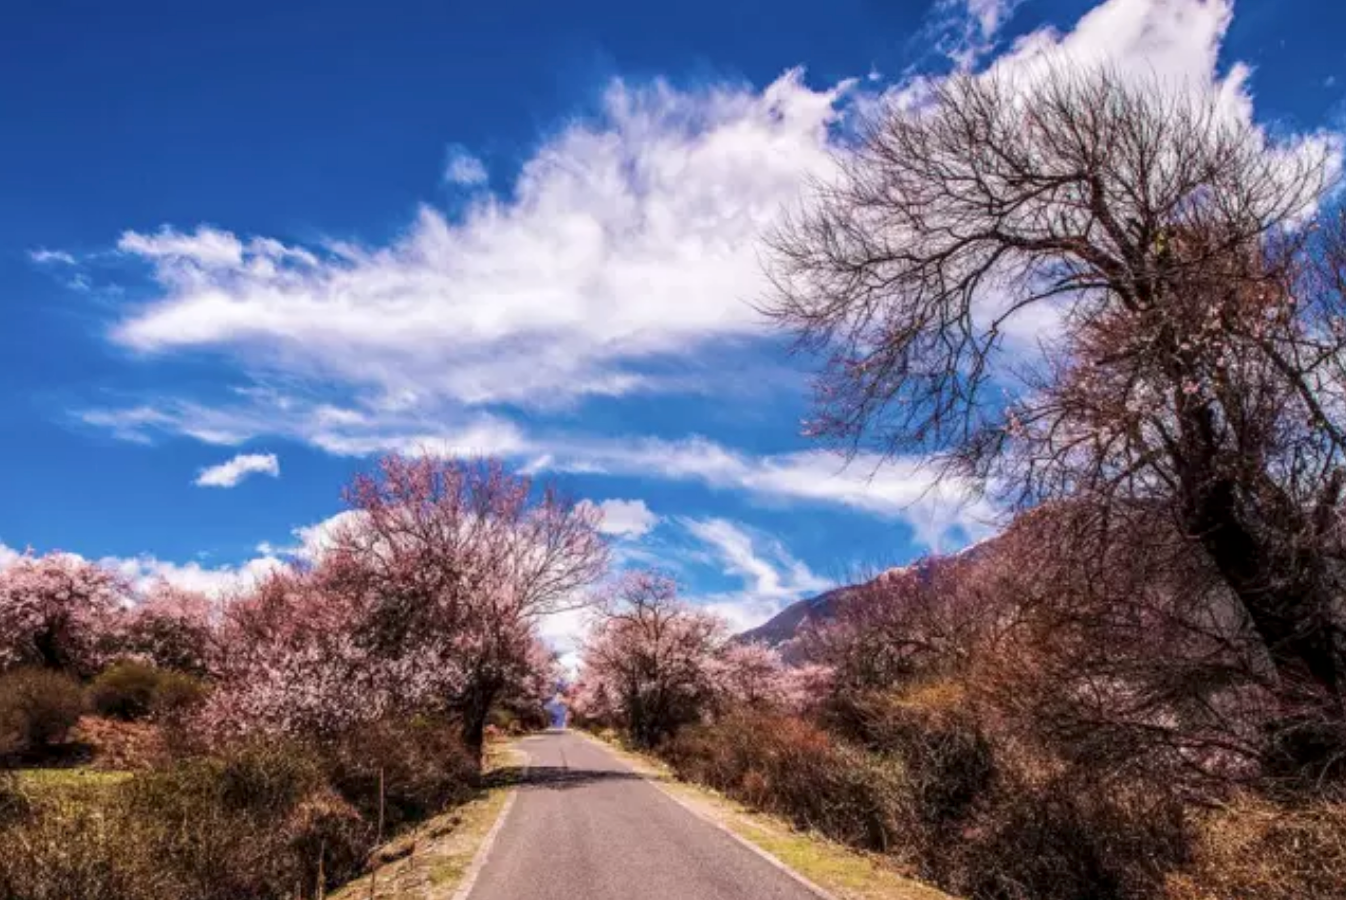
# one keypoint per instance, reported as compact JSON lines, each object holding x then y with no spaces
{"x":781,"y":630}
{"x":789,"y":623}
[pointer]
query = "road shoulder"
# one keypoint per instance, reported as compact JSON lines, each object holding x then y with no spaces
{"x":840,"y":872}
{"x":435,"y":860}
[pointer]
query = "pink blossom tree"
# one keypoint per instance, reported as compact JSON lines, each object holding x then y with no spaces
{"x":173,"y":628}
{"x":56,"y":611}
{"x":293,"y":659}
{"x":461,"y":557}
{"x":653,"y":663}
{"x":427,"y":596}
{"x":649,"y":659}
{"x":747,"y":674}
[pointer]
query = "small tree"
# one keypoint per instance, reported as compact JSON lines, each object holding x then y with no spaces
{"x":289,"y":662}
{"x":172,"y":628}
{"x":928,"y":620}
{"x":651,"y":657}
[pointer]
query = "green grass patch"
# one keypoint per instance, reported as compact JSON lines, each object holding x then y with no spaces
{"x":69,"y":785}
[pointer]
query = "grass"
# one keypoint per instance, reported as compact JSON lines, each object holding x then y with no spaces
{"x":69,"y":785}
{"x":428,"y":862}
{"x":845,"y":873}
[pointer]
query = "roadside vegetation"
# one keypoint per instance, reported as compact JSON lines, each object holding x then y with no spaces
{"x":157,"y":745}
{"x":1136,"y":690}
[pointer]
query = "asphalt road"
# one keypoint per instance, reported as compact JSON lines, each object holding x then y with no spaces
{"x":584,"y":827}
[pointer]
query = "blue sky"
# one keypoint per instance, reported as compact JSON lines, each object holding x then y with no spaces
{"x":246,"y":248}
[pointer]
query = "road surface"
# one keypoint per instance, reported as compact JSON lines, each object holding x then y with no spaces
{"x":585,"y":827}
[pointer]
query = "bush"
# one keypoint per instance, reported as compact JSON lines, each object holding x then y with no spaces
{"x":37,"y":710}
{"x":131,"y":690}
{"x":1258,"y":849}
{"x":254,"y":822}
{"x":73,"y":852}
{"x":930,"y":787}
{"x":124,"y":690}
{"x":13,"y":801}
{"x":1065,"y":838}
{"x":791,"y":768}
{"x":177,"y":694}
{"x":946,"y":756}
{"x":424,"y":764}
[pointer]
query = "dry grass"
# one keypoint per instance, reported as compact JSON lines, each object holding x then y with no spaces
{"x":1257,"y":849}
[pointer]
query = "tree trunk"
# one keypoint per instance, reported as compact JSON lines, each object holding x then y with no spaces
{"x":1284,"y":596}
{"x":475,"y":710}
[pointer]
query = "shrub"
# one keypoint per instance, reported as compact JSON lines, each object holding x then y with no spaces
{"x":253,"y":822}
{"x":37,"y":710}
{"x":124,"y":690}
{"x":132,"y":690}
{"x":13,"y":801}
{"x":1258,"y":849}
{"x":946,"y":757}
{"x":74,"y":852}
{"x":1064,"y":838}
{"x":424,"y":764}
{"x":791,"y":768}
{"x":933,"y":789}
{"x":177,"y":694}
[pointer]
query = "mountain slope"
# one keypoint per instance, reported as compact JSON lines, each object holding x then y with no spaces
{"x":782,"y":629}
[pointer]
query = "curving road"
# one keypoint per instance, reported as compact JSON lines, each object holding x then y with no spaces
{"x":585,"y":827}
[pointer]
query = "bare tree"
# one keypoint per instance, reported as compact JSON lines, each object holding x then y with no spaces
{"x":1194,"y":363}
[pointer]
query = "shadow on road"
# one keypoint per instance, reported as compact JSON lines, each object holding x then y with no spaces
{"x":555,"y":777}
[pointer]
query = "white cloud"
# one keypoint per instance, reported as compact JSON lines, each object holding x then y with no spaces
{"x":230,"y":473}
{"x":770,"y":572}
{"x":966,"y":30}
{"x":464,"y":169}
{"x":625,"y":239}
{"x":989,"y":15}
{"x":43,"y":256}
{"x":384,"y":426}
{"x":772,"y":578}
{"x":204,"y":250}
{"x":215,"y":581}
{"x":1177,"y":41}
{"x":316,"y":539}
{"x":626,"y":518}
{"x":940,"y":513}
